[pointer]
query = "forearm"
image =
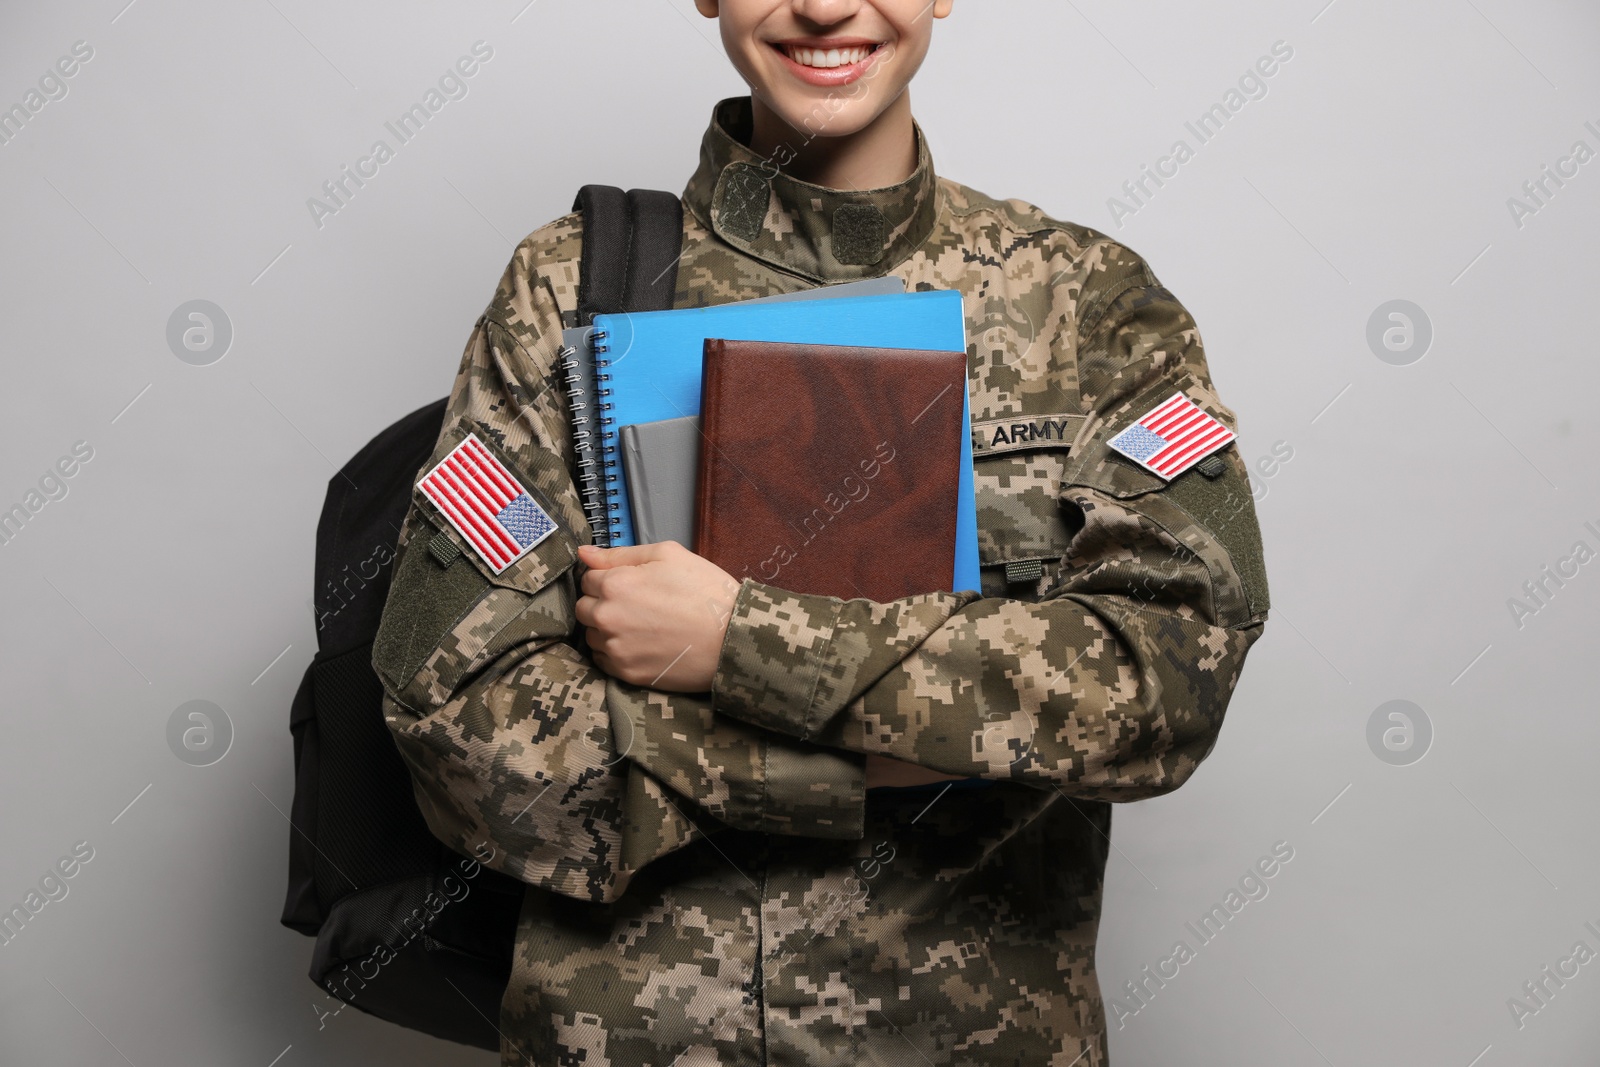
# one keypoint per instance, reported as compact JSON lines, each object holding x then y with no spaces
{"x":741,"y":774}
{"x":1111,"y":680}
{"x":1080,"y":694}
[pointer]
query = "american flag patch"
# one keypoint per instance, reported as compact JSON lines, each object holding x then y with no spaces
{"x":486,"y":504}
{"x":1173,"y":437}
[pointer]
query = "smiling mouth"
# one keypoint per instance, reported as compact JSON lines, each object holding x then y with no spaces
{"x":827,"y":58}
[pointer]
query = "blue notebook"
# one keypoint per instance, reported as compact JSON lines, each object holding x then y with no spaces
{"x":650,"y":363}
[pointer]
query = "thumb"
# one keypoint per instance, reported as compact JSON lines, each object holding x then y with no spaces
{"x":596,"y":558}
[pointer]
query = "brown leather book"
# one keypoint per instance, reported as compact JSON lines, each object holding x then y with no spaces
{"x":828,"y":469}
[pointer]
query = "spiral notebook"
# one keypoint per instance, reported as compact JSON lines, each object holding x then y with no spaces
{"x":576,"y":360}
{"x":648,"y":367}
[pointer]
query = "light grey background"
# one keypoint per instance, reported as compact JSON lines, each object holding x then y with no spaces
{"x":1418,"y":500}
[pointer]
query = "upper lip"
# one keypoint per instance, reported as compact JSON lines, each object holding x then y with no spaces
{"x":826,"y":42}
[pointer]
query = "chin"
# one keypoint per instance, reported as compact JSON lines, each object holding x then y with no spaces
{"x":811,"y":118}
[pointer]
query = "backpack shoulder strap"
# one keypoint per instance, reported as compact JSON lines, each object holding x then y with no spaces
{"x":654,"y":250}
{"x":631,"y":245}
{"x":630,"y":257}
{"x":602,"y":273}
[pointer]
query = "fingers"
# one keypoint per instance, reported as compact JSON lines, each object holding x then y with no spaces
{"x":598,"y":640}
{"x":597,"y":606}
{"x":610,"y":660}
{"x":583,"y":610}
{"x":616,"y":583}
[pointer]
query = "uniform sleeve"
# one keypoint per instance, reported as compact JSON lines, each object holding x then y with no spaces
{"x":490,"y":695}
{"x":1111,"y":683}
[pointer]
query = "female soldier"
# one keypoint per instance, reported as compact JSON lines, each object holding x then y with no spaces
{"x":725,"y":818}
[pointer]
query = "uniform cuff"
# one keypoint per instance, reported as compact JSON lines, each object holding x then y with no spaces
{"x":810,"y":791}
{"x":772,"y":656}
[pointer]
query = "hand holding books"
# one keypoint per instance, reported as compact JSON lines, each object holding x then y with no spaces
{"x":655,"y":614}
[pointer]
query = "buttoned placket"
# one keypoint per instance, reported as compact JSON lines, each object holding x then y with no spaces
{"x":823,"y":236}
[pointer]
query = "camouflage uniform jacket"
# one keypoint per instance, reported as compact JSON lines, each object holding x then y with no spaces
{"x":710,"y":883}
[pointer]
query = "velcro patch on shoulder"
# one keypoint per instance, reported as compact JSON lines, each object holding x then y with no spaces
{"x":486,"y":504}
{"x":1171,"y":437}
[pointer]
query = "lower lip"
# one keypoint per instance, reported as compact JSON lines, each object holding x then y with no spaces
{"x":829,"y":76}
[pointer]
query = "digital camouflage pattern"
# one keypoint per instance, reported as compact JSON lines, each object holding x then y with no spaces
{"x":711,"y":882}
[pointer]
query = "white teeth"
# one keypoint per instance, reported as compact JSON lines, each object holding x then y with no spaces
{"x":827,"y":59}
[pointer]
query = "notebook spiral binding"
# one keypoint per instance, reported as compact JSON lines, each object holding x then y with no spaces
{"x":608,"y":442}
{"x":589,"y":466}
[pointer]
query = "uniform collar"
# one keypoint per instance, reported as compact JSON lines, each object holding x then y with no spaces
{"x":827,"y":235}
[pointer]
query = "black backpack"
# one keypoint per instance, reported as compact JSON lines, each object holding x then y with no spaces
{"x":397,"y":935}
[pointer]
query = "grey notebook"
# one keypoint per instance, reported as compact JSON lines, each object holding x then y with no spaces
{"x":660,"y":459}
